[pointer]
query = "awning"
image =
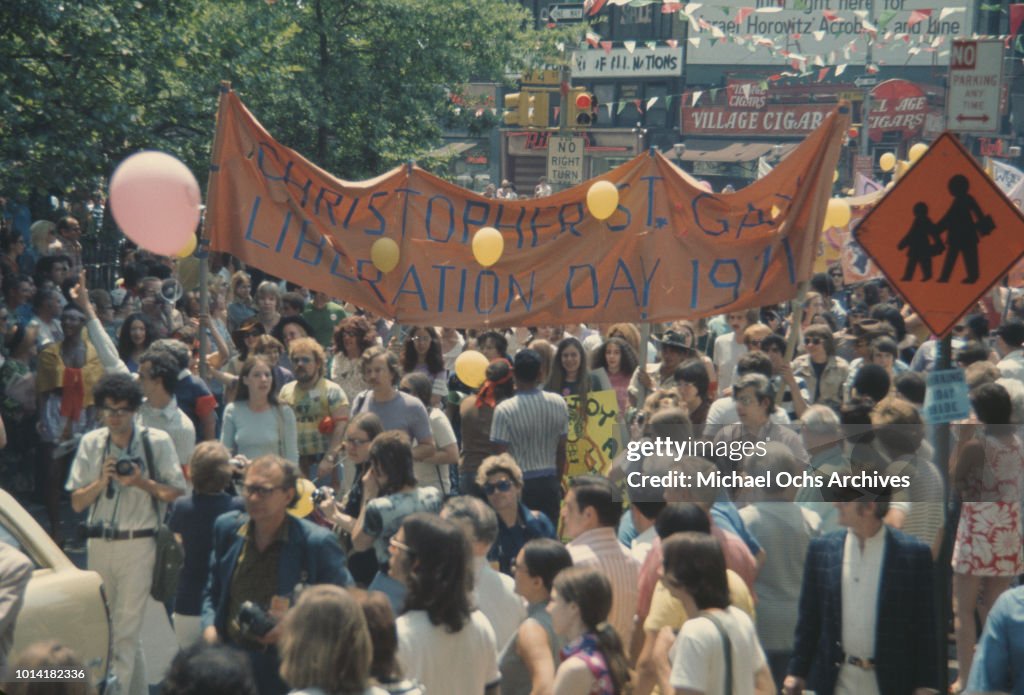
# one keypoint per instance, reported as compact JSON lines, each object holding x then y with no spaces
{"x":725,"y":151}
{"x":452,"y":149}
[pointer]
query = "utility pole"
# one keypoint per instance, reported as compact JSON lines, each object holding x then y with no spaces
{"x":865,"y":109}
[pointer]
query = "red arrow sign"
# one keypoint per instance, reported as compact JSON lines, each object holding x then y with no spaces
{"x":983,"y":118}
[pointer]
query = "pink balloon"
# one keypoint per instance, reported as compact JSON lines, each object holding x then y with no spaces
{"x":155,"y":200}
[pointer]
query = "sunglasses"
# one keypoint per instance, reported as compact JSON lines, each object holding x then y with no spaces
{"x":500,"y":486}
{"x":812,"y":341}
{"x":259,"y":490}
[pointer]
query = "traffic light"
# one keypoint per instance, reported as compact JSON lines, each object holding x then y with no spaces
{"x":537,"y":113}
{"x":513,"y":114}
{"x":582,"y":108}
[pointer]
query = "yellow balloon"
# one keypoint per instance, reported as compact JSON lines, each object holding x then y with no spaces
{"x":602,"y":199}
{"x":838,"y":213}
{"x":488,"y":245}
{"x":471,"y":368}
{"x":902,"y":167}
{"x":917,"y":151}
{"x":887,"y":161}
{"x":189,"y":249}
{"x":384,"y":254}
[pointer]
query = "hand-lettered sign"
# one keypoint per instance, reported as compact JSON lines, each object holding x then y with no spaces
{"x":670,"y":250}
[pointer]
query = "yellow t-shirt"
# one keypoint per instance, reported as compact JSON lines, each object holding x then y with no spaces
{"x":668,"y":611}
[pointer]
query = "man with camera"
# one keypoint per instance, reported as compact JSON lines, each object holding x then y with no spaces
{"x":261,"y":560}
{"x":120,"y":474}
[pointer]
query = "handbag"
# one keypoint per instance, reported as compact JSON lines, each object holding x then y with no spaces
{"x":170,"y":556}
{"x":985,"y":225}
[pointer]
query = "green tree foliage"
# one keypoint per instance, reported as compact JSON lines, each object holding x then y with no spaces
{"x":356,"y":85}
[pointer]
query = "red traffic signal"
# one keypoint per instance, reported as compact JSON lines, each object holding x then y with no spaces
{"x":583,"y":101}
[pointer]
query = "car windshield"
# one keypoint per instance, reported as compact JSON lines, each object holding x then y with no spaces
{"x":7,"y":536}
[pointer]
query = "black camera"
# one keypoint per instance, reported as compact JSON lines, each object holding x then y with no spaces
{"x":124,"y":465}
{"x":321,"y":494}
{"x":253,"y":621}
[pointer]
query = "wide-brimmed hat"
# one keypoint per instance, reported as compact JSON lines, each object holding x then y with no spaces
{"x":676,"y":340}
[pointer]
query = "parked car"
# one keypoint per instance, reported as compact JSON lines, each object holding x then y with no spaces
{"x":62,"y":602}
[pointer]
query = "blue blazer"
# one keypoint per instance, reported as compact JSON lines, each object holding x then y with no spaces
{"x":312,"y":555}
{"x":906,"y":651}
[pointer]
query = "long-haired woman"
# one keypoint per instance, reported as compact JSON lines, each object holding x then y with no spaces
{"x":442,"y":641}
{"x":135,"y":335}
{"x":353,"y":336}
{"x":325,"y":644}
{"x":255,"y":423}
{"x":422,"y":352}
{"x":569,"y":373}
{"x":593,"y":660}
{"x":617,"y":357}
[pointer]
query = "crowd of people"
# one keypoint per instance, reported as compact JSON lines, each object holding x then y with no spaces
{"x":355,"y":519}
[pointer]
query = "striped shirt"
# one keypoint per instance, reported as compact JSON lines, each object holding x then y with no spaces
{"x":531,"y":424}
{"x":600,"y":548}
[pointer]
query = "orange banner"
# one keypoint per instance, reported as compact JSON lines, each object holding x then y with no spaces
{"x":671,"y":250}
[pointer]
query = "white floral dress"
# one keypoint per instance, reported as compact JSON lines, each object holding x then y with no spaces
{"x":988,"y":538}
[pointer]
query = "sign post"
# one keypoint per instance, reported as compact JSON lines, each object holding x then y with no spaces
{"x":975,"y":85}
{"x":944,"y":235}
{"x":565,"y":160}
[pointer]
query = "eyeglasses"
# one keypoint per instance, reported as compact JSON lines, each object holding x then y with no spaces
{"x":756,"y":344}
{"x":116,"y":412}
{"x":812,"y":341}
{"x":356,"y":442}
{"x":746,"y":400}
{"x":500,"y":486}
{"x":259,"y":490}
{"x":399,"y":545}
{"x":302,"y":359}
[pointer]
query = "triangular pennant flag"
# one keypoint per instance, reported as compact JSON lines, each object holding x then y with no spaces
{"x":630,"y":46}
{"x":937,"y":41}
{"x":606,"y":46}
{"x":918,"y":16}
{"x":695,"y":97}
{"x":869,"y":27}
{"x":946,"y":11}
{"x":622,"y":107}
{"x":871,"y":69}
{"x":672,"y":43}
{"x":558,"y":110}
{"x":694,"y":41}
{"x":829,"y":16}
{"x":653,"y":45}
{"x":593,"y":39}
{"x":840,"y":69}
{"x":650,"y":102}
{"x":691,"y":7}
{"x":1016,"y":18}
{"x":716,"y":32}
{"x":609,"y":105}
{"x":822,"y":74}
{"x":861,"y":14}
{"x":799,"y":4}
{"x":818,"y":35}
{"x":714,"y":92}
{"x":885,"y":18}
{"x":638,"y":104}
{"x":745,"y":88}
{"x":670,"y":7}
{"x":743,"y":13}
{"x":819,"y":61}
{"x":768,"y":10}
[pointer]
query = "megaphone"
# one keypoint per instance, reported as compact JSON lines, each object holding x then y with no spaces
{"x":171,"y":290}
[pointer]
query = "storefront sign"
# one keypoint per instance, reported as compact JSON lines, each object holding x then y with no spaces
{"x":746,"y":95}
{"x":777,"y":120}
{"x":792,"y":33}
{"x":663,"y":61}
{"x":897,"y":105}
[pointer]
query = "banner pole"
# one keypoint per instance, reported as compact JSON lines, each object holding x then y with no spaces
{"x":794,"y":331}
{"x":203,"y":247}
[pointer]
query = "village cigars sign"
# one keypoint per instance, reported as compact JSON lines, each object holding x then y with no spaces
{"x":670,"y":250}
{"x":775,"y":120}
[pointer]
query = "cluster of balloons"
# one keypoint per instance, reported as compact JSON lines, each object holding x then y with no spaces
{"x":156,"y":202}
{"x":888,"y":162}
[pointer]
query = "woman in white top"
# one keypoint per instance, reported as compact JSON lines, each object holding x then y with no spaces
{"x":442,"y":642}
{"x":436,"y":469}
{"x":694,"y":573}
{"x":256,"y":424}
